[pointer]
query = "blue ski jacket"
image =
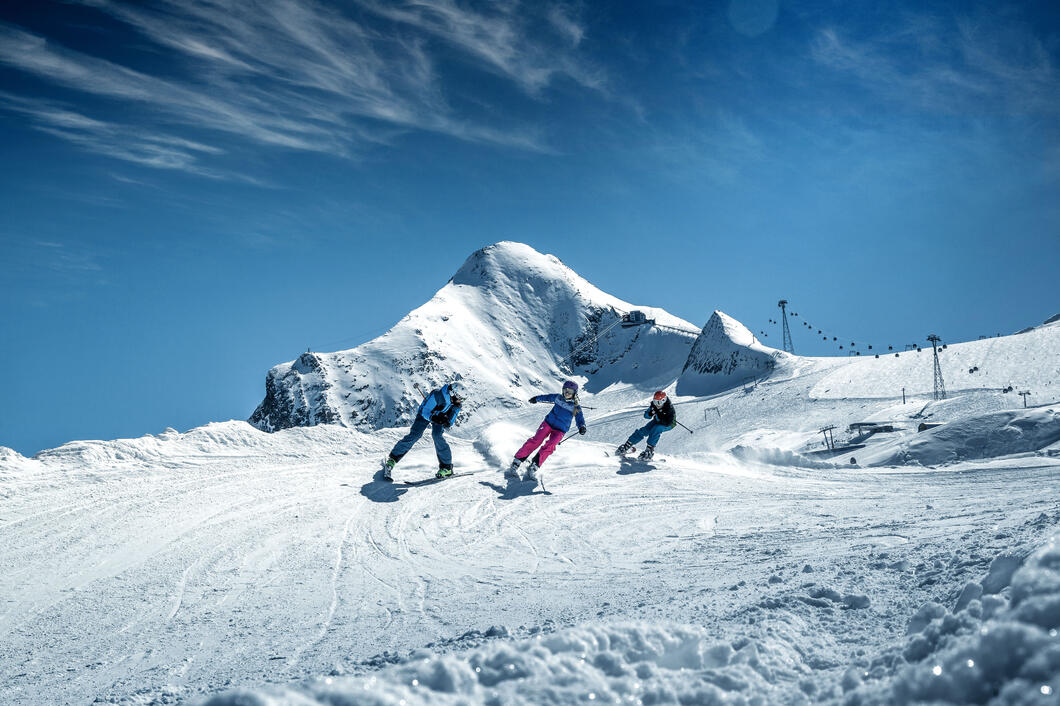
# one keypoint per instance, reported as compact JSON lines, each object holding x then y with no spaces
{"x":438,"y":407}
{"x":562,"y":412}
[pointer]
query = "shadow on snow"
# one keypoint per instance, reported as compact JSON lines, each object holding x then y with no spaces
{"x":515,"y":488}
{"x":629,"y":466}
{"x":379,"y":491}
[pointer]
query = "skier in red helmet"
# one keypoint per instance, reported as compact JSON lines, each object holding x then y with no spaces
{"x":663,"y":418}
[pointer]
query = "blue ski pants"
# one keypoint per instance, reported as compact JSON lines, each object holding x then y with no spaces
{"x":441,"y":446}
{"x":653,"y":430}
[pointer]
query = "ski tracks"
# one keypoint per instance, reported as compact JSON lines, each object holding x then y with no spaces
{"x":336,"y":571}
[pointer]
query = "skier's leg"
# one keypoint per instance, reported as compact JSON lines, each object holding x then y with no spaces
{"x":550,"y":445}
{"x":653,"y":438}
{"x":534,"y":441}
{"x":655,"y":432}
{"x":402,"y":447}
{"x":639,"y":434}
{"x":441,"y":447}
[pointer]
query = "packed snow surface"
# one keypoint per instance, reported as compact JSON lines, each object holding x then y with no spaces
{"x":747,"y":564}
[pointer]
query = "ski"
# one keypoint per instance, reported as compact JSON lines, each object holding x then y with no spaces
{"x":434,"y":479}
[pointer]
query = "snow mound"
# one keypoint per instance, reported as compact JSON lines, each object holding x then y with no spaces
{"x":725,"y":355}
{"x":635,"y":663}
{"x":997,"y":649}
{"x":217,"y":439}
{"x":978,"y":437}
{"x":511,"y":320}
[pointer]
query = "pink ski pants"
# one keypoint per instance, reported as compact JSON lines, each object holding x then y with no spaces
{"x":545,"y":433}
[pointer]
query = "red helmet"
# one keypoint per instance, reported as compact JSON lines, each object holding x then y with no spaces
{"x":660,"y":398}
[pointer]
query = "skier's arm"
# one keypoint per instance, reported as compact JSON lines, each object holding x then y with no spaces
{"x":649,"y":412}
{"x":581,"y":421}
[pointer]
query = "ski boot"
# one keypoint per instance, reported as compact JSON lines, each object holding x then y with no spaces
{"x":444,"y":470}
{"x":513,"y":470}
{"x":624,"y":449}
{"x":531,"y":470}
{"x":647,"y":453}
{"x":388,"y":468}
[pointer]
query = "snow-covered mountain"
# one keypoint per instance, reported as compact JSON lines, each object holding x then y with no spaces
{"x":725,"y":355}
{"x":511,"y":323}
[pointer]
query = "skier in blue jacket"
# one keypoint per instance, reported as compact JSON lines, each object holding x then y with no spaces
{"x":551,"y":431}
{"x":438,"y":409}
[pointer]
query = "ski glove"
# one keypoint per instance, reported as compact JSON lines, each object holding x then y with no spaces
{"x":533,"y":400}
{"x":581,"y":430}
{"x":440,"y":419}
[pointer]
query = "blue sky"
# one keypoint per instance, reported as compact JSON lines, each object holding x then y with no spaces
{"x":198,"y":190}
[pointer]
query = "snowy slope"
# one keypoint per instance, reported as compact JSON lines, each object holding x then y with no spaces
{"x":171,"y":567}
{"x":510,"y":323}
{"x":1027,"y":360}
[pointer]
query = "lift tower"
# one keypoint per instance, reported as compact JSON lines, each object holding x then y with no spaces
{"x":783,"y":304}
{"x":940,"y":388}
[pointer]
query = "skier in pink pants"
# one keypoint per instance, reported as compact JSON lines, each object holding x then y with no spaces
{"x":550,"y":433}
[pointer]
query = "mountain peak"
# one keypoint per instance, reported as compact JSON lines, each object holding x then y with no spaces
{"x":511,"y":322}
{"x":505,"y":260}
{"x":725,"y":355}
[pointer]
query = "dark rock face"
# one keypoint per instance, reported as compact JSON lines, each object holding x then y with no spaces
{"x":294,"y":397}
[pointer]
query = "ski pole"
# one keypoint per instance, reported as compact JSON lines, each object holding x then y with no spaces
{"x":686,"y":428}
{"x":419,"y":390}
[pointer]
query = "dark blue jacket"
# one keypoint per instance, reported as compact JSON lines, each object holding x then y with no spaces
{"x":439,"y":406}
{"x":563,"y":411}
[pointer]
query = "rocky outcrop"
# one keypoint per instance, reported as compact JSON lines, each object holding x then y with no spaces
{"x":725,"y":355}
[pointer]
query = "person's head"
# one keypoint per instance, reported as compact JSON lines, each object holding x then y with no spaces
{"x":456,"y":393}
{"x":659,"y":399}
{"x":570,"y":390}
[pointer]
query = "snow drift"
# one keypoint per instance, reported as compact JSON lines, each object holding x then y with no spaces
{"x":998,"y":645}
{"x":511,"y":320}
{"x":978,"y":437}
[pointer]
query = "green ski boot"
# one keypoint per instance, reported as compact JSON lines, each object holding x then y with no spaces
{"x":388,"y":468}
{"x":444,"y":470}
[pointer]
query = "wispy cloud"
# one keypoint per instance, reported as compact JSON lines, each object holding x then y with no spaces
{"x":300,"y":75}
{"x":500,"y":39}
{"x":120,"y":141}
{"x":968,"y":66}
